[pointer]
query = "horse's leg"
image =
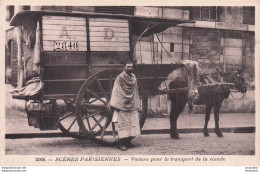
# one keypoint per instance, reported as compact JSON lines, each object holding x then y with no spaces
{"x":216,"y":116}
{"x":207,"y":117}
{"x":173,"y":122}
{"x":174,"y":115}
{"x":177,"y":105}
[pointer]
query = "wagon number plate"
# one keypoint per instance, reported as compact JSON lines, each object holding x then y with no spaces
{"x":65,"y":45}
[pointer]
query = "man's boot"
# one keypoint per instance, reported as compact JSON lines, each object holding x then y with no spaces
{"x":129,"y":144}
{"x":121,"y":144}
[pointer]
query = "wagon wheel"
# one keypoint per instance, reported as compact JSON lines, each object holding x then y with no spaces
{"x":92,"y":99}
{"x":67,"y":120}
{"x":143,"y":111}
{"x":91,"y":104}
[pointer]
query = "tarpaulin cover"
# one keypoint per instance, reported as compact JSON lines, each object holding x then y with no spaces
{"x":32,"y":88}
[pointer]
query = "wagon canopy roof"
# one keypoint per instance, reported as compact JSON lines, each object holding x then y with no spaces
{"x":138,"y":23}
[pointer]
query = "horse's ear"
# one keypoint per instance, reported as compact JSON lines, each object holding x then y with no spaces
{"x":218,"y":70}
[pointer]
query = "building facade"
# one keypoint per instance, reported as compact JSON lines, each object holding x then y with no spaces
{"x":222,"y":37}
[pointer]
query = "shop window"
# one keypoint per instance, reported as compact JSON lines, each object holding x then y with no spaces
{"x":10,"y":13}
{"x":249,"y":15}
{"x":172,"y":47}
{"x":203,"y":13}
{"x":129,"y":10}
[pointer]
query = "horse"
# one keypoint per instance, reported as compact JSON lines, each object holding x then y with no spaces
{"x":212,"y":98}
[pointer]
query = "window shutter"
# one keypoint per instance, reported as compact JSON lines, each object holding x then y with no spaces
{"x":115,"y":10}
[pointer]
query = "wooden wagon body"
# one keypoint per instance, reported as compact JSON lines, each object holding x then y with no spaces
{"x":76,"y":57}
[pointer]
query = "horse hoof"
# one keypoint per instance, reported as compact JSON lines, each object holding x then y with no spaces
{"x":219,"y":134}
{"x":174,"y":136}
{"x":206,"y":135}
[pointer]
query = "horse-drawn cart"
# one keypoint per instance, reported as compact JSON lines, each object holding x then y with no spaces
{"x":68,"y":63}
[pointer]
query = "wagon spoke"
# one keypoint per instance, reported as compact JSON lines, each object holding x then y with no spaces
{"x":110,"y":83}
{"x":96,"y":96}
{"x":93,"y":100}
{"x":67,"y":116}
{"x":97,"y":106}
{"x":72,"y":124}
{"x":101,"y":88}
{"x":70,"y":101}
{"x":88,"y":123}
{"x":97,"y":123}
{"x":96,"y":113}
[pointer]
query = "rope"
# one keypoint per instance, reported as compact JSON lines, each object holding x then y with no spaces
{"x":165,"y":49}
{"x":140,"y":51}
{"x":144,"y":32}
{"x":243,"y":95}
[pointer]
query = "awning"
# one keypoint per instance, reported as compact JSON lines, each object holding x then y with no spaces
{"x":138,"y":24}
{"x":154,"y":25}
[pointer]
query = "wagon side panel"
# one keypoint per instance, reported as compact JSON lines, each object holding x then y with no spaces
{"x":64,"y":57}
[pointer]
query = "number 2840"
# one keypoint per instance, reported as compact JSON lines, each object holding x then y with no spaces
{"x":65,"y":45}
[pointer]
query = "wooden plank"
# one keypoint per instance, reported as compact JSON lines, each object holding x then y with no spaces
{"x":110,"y":48}
{"x":103,"y":29}
{"x":114,"y":39}
{"x":59,"y":32}
{"x":62,"y":18}
{"x":65,"y":38}
{"x":51,"y":48}
{"x":51,"y":43}
{"x":61,"y":27}
{"x":108,"y":20}
{"x":103,"y":34}
{"x":68,"y":22}
{"x":108,"y":24}
{"x":66,"y":65}
{"x":59,"y":96}
{"x":58,"y":73}
{"x":109,"y":44}
{"x":70,"y":58}
{"x":106,"y":65}
{"x":65,"y":80}
{"x":105,"y":58}
{"x":106,"y":35}
{"x":62,"y":87}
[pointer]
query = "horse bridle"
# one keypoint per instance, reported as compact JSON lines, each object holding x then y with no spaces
{"x":232,"y":90}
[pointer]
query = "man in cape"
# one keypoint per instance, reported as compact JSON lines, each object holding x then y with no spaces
{"x":125,"y":102}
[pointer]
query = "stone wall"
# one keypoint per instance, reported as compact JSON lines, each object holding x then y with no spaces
{"x":211,"y":48}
